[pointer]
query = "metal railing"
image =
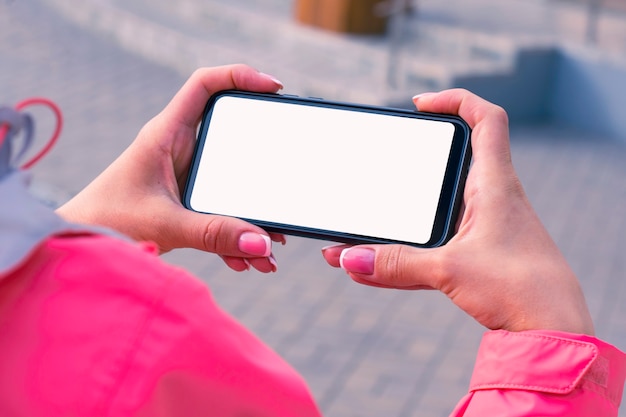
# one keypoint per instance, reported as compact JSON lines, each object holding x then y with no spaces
{"x":597,"y":24}
{"x":594,"y":10}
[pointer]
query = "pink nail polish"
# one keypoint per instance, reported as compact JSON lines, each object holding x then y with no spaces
{"x":422,"y":95}
{"x":274,"y":79}
{"x":273,"y":263}
{"x":325,"y":248}
{"x":255,"y":244}
{"x":247,"y":262}
{"x":358,"y":260}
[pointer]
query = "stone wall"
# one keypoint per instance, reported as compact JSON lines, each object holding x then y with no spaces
{"x":575,"y":87}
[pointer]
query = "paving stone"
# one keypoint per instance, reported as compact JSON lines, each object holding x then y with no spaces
{"x":364,"y":351}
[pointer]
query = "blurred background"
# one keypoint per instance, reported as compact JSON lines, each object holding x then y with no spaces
{"x":557,"y":66}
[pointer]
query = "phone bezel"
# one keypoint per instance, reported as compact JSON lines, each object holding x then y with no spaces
{"x":450,"y":197}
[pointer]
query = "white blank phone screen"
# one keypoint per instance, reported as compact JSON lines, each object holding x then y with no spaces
{"x":347,"y":171}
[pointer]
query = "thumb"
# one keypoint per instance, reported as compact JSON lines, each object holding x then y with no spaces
{"x":225,"y":236}
{"x":392,"y":266}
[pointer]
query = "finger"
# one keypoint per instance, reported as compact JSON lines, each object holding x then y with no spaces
{"x":264,"y":265}
{"x":362,"y":281}
{"x":490,"y":143}
{"x":227,"y":236}
{"x":332,"y":254}
{"x":394,"y":266}
{"x":188,"y":104}
{"x":236,"y":264}
{"x":472,"y":108}
{"x":279,"y":238}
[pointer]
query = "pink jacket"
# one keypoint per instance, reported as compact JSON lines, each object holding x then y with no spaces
{"x":94,"y":325}
{"x":544,"y":373}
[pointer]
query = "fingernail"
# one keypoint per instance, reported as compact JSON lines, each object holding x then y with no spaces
{"x":247,"y":262}
{"x":358,"y":260}
{"x":273,"y":262}
{"x":325,"y":248}
{"x":422,"y":95}
{"x":274,"y":79}
{"x":255,"y":244}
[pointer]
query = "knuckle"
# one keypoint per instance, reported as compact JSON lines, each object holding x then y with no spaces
{"x":442,"y":266}
{"x":447,"y":270}
{"x":461,"y":91}
{"x":199,"y":73}
{"x":499,"y":114}
{"x":393,"y":265}
{"x":214,"y":236}
{"x":403,"y":266}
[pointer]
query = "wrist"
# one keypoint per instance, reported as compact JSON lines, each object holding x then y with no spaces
{"x":549,"y":298}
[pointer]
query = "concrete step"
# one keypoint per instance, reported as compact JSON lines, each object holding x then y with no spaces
{"x":505,"y":52}
{"x":415,"y":56}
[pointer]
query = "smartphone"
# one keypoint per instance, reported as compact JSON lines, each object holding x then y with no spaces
{"x":335,"y":171}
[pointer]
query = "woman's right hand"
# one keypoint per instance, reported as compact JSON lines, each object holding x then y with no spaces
{"x":143,"y":186}
{"x":501,"y":267}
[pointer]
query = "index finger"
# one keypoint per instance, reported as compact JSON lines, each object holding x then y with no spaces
{"x":188,"y":104}
{"x":489,"y":123}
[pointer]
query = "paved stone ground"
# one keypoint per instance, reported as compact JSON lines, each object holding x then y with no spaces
{"x":365,"y":352}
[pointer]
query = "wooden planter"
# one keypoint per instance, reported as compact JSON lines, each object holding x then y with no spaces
{"x":349,"y":16}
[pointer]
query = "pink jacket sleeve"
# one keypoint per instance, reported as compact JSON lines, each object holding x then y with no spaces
{"x":544,"y":373}
{"x":95,"y":326}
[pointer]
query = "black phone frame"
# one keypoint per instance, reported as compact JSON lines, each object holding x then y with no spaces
{"x":450,"y":198}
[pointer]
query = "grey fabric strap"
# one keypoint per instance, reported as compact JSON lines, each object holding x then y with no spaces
{"x":24,"y":221}
{"x":15,"y":122}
